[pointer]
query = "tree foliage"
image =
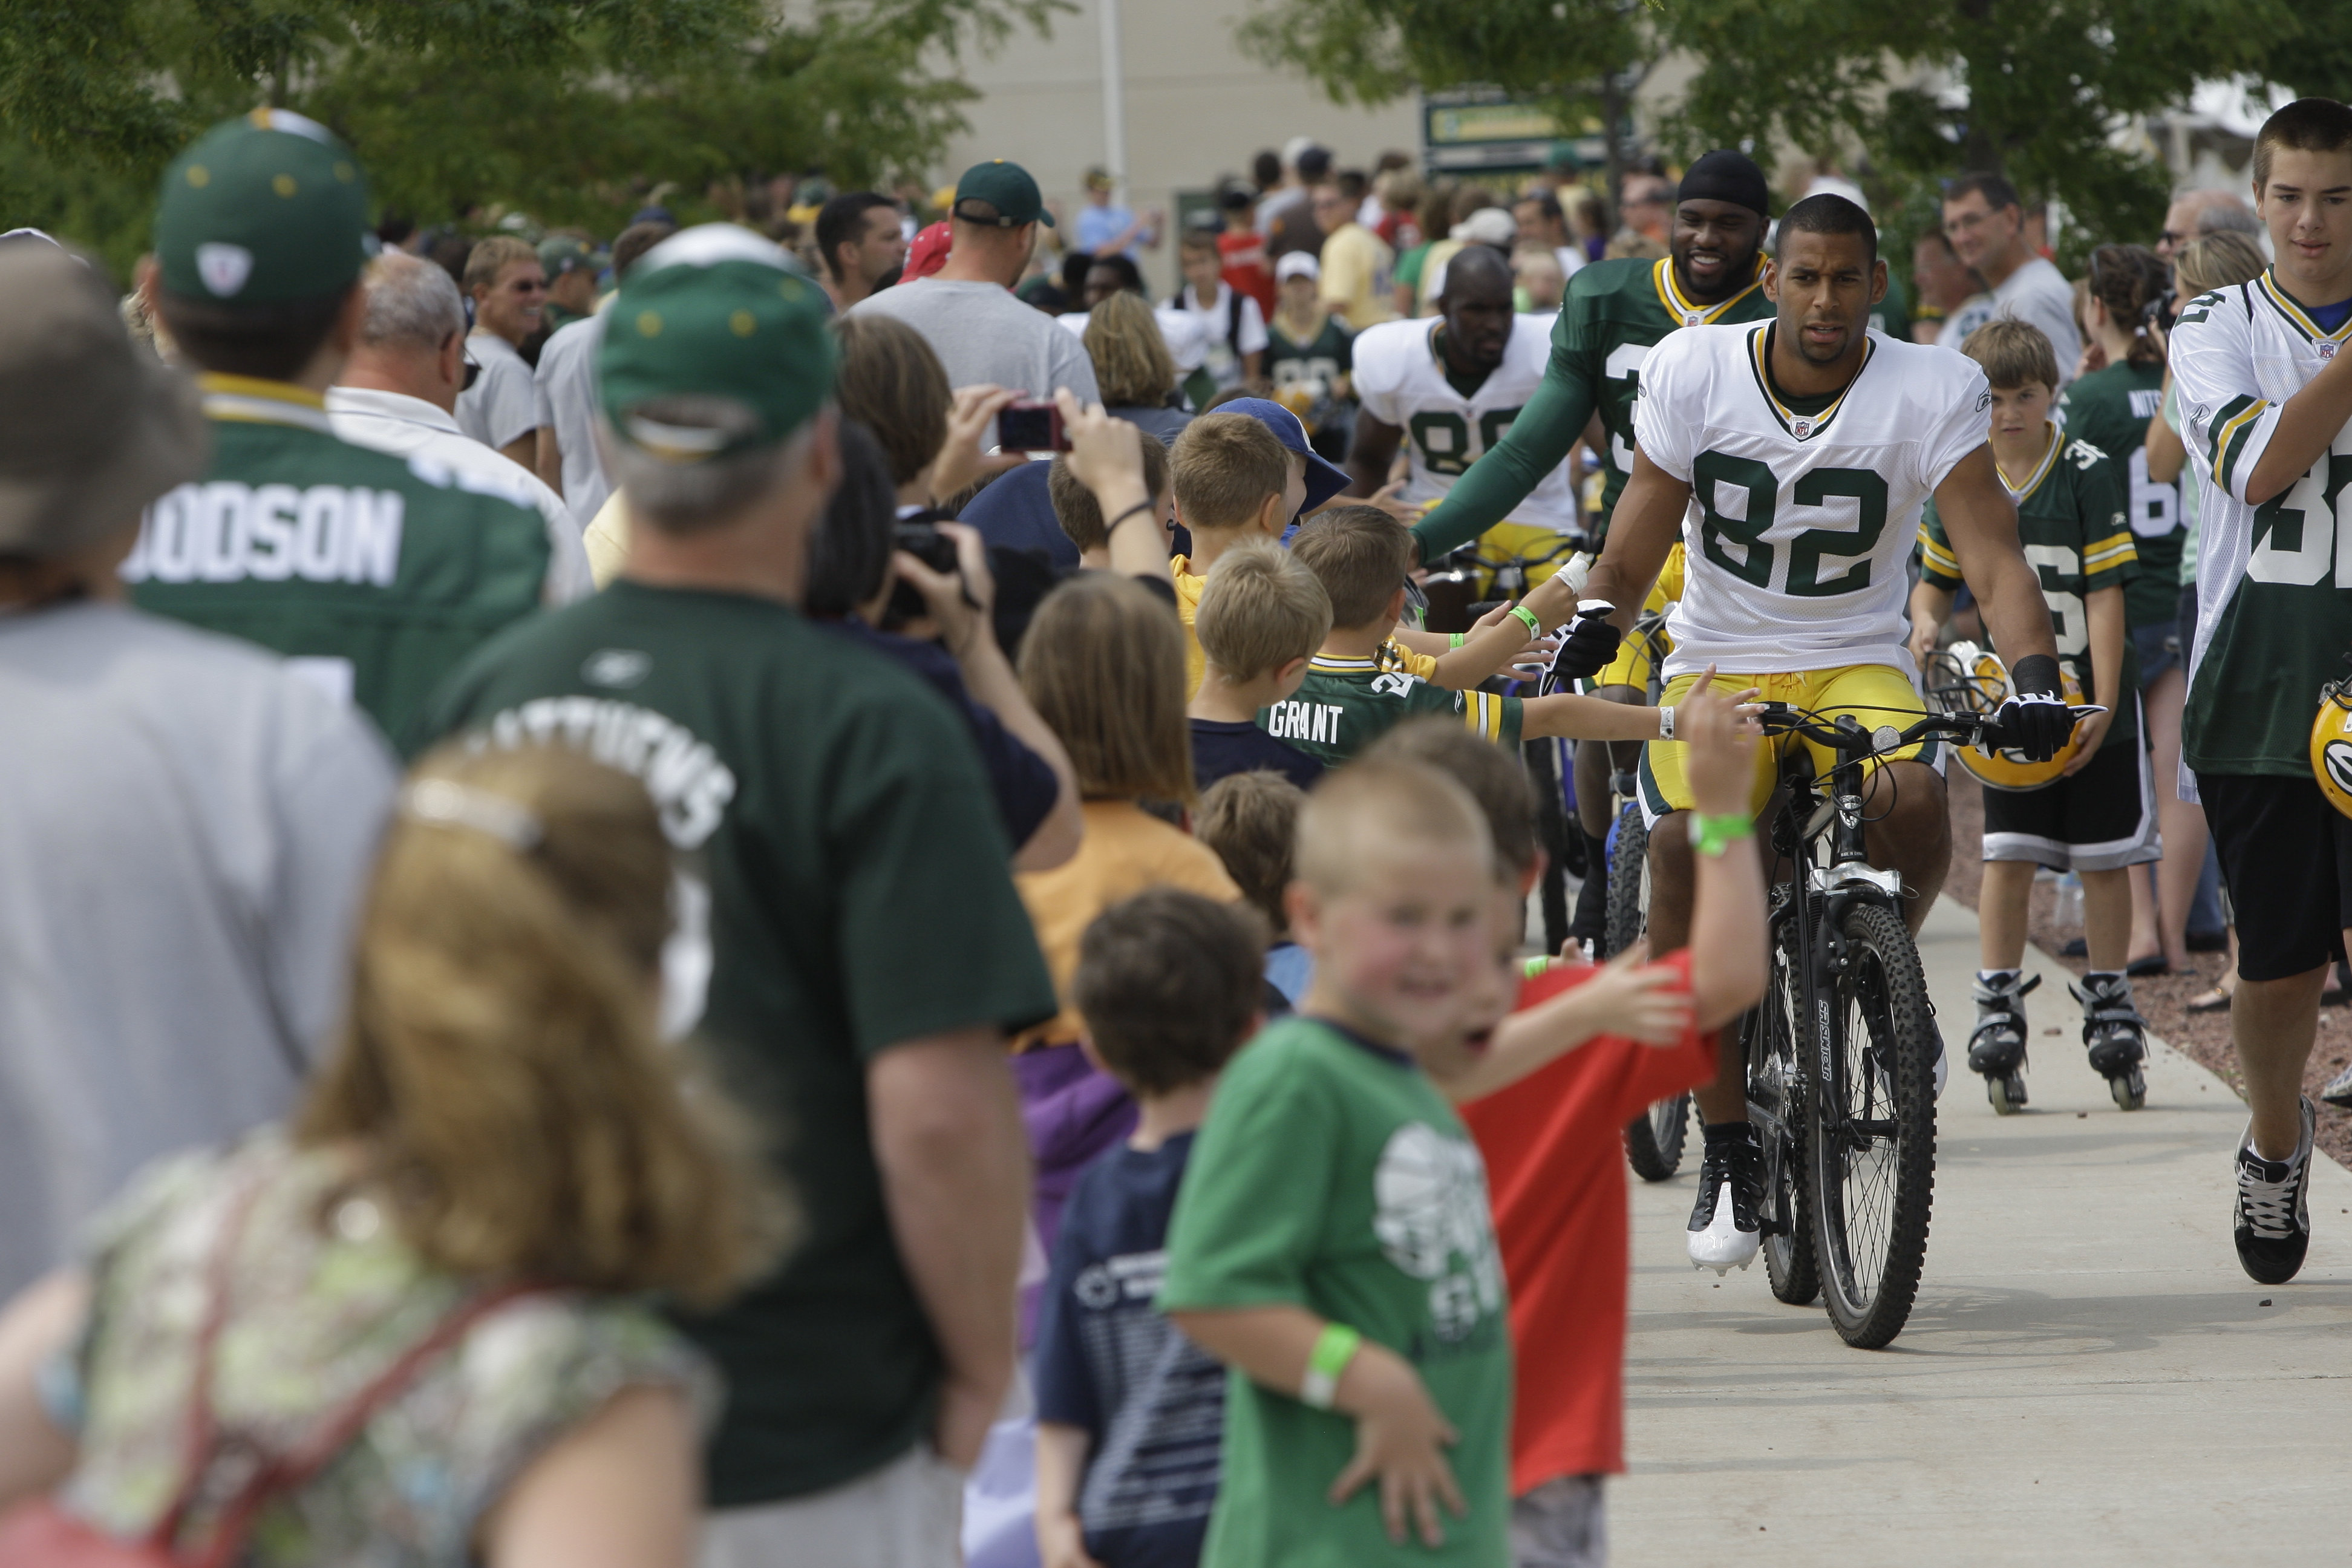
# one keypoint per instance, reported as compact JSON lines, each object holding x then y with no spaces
{"x":2040,"y":85}
{"x":567,"y":108}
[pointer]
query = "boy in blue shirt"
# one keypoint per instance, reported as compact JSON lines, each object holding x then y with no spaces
{"x":1129,"y":1413}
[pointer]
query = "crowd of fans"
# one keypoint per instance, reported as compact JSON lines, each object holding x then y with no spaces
{"x":546,"y":784}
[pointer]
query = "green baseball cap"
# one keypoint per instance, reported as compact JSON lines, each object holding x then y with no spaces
{"x":1008,"y":188}
{"x":561,"y":254}
{"x":262,"y":209}
{"x":714,"y":312}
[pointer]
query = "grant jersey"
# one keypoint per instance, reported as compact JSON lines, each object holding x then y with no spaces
{"x":1345,"y":704}
{"x":1803,"y":512}
{"x":375,"y":575}
{"x":2273,"y":581}
{"x":2070,"y":519}
{"x":1401,"y":380}
{"x":1615,"y":312}
{"x":2110,"y":408}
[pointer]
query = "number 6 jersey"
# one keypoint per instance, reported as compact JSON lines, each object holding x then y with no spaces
{"x":1401,"y":380}
{"x":1802,"y":510}
{"x":2273,"y":619}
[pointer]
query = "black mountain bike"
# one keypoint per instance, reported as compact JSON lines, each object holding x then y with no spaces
{"x":1842,"y":1051}
{"x":1653,"y":1140}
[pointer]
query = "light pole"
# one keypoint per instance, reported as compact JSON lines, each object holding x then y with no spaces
{"x":1114,"y":97}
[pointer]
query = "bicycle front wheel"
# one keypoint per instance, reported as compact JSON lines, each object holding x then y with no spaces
{"x":1777,"y":1105}
{"x":1871,"y":1138}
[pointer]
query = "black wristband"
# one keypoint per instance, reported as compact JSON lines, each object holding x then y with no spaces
{"x":1112,"y":526}
{"x":2035,"y":673}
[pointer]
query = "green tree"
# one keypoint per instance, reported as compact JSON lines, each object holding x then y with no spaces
{"x":2039,"y":85}
{"x":1581,"y":57}
{"x":566,"y":109}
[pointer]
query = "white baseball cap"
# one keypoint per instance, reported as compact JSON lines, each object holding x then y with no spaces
{"x":1297,"y":264}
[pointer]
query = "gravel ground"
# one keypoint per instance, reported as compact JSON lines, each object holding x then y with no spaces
{"x":2163,"y":998}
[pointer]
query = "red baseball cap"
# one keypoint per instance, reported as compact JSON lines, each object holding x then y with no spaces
{"x":926,"y":255}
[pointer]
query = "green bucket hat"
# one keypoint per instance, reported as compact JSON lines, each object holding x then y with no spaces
{"x":714,"y":312}
{"x":263,"y":209}
{"x":1008,"y":188}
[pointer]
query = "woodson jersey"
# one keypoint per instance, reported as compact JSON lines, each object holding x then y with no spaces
{"x":374,"y":575}
{"x":1401,"y":381}
{"x":1345,"y":704}
{"x":2110,"y":408}
{"x":1791,"y":562}
{"x":2273,"y":581}
{"x":2070,"y":519}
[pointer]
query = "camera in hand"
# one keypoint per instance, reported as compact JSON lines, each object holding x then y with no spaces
{"x":1031,"y":427}
{"x":934,"y":550}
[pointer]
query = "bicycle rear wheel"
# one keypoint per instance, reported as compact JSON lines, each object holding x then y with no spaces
{"x":1872,"y":1134}
{"x":1653,"y":1140}
{"x":1563,"y":850}
{"x":1777,"y":1105}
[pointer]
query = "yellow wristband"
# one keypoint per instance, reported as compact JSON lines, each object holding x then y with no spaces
{"x":1326,"y":1363}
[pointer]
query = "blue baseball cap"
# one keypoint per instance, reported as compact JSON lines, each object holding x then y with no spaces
{"x":1324,"y":478}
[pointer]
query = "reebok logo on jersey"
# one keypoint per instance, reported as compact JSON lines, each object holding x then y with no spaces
{"x":689,"y":784}
{"x":616,"y":666}
{"x":1294,"y":721}
{"x":225,"y":530}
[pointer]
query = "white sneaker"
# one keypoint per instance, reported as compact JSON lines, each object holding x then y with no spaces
{"x":1723,"y":1228}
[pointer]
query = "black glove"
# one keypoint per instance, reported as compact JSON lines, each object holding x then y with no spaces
{"x":1591,"y":643}
{"x":2035,"y":721}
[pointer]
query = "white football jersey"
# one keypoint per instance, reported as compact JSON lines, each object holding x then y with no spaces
{"x":1801,"y":523}
{"x":1401,"y":381}
{"x":2274,"y":616}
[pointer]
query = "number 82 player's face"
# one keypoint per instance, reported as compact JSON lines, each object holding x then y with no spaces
{"x":1824,"y":284}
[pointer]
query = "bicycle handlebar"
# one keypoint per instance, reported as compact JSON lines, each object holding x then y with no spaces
{"x":1846,"y":736}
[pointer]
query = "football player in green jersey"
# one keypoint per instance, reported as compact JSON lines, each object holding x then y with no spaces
{"x":1615,"y":313}
{"x":372,"y":575}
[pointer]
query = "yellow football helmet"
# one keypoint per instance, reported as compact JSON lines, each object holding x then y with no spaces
{"x":2331,"y":744}
{"x":1966,"y":679}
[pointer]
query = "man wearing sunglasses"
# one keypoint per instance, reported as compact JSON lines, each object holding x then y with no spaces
{"x":508,"y":287}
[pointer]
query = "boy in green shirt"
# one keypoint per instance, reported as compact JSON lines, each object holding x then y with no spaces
{"x":1331,"y":1242}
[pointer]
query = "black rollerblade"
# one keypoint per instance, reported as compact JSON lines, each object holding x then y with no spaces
{"x":2116,"y":1036}
{"x":1997,"y":1047}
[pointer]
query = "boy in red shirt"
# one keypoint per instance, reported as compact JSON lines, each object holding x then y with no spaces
{"x":1241,"y":249}
{"x":1549,"y":1134}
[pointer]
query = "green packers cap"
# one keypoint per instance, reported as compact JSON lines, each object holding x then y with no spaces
{"x":561,"y":254}
{"x":714,"y":312}
{"x":262,"y":209}
{"x":1008,"y":188}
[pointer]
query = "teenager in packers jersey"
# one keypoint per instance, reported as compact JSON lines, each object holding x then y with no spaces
{"x":2266,"y":387}
{"x":374,"y":576}
{"x":1792,"y":458}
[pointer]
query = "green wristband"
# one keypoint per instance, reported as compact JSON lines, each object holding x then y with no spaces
{"x":1535,"y":627}
{"x":1538,"y":966}
{"x":1334,"y":1349}
{"x":1454,"y":640}
{"x":1714,"y":834}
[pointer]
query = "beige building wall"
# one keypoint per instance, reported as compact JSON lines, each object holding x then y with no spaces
{"x":1196,"y":107}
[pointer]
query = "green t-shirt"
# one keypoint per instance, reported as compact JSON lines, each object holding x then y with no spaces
{"x":1891,"y":315}
{"x":377,"y":575}
{"x":1616,"y":310}
{"x":1332,"y":1176}
{"x":2070,"y":519}
{"x":843,"y":886}
{"x":1316,"y":364}
{"x":2110,"y":408}
{"x":1345,"y":704}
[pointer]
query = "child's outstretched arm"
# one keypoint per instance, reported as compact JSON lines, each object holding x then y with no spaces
{"x":1400,"y":1436}
{"x":1629,"y":996}
{"x":1727,"y":930}
{"x":1061,"y":1464}
{"x":1580,"y":718}
{"x":1501,"y":636}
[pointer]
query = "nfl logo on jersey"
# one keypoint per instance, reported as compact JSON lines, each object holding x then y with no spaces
{"x":1801,"y":428}
{"x":2327,"y":351}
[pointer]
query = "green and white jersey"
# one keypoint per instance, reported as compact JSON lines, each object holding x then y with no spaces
{"x":1615,"y":312}
{"x":1790,"y":561}
{"x":824,"y":802}
{"x":375,"y":577}
{"x":1345,"y":704}
{"x":2070,"y":518}
{"x":2273,"y":581}
{"x":1402,"y":379}
{"x":2110,"y":408}
{"x":1311,"y":367}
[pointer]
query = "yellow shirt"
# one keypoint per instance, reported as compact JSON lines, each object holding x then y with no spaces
{"x":1357,"y":276}
{"x":1188,"y":604}
{"x":1125,"y":849}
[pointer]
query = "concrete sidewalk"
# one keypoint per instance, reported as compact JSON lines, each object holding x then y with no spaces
{"x":2088,"y":1377}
